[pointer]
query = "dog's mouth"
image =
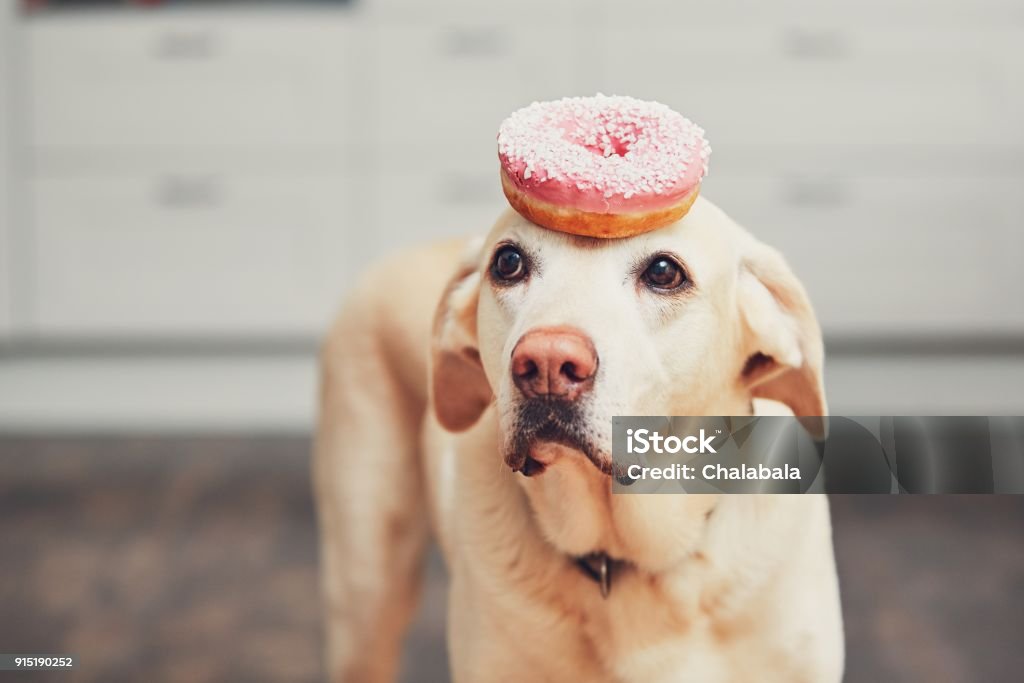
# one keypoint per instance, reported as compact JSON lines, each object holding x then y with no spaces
{"x":540,"y":422}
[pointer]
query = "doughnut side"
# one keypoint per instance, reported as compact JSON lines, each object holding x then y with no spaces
{"x":589,"y":224}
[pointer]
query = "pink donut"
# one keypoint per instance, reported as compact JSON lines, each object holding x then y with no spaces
{"x":601,"y":166}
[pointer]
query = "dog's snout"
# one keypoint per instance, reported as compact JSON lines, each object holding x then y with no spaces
{"x":554,"y":362}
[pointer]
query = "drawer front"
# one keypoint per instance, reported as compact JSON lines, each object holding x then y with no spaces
{"x":506,"y":13}
{"x":452,"y":85}
{"x":893,"y":255}
{"x":795,"y":86}
{"x":417,"y":204}
{"x":189,"y":254}
{"x":908,"y":13}
{"x":175,"y":79}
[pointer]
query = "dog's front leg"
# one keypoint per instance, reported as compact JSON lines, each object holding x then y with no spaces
{"x":370,"y":502}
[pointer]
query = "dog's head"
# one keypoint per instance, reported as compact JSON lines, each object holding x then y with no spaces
{"x":565,"y":332}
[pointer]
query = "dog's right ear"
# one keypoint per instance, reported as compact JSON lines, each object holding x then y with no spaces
{"x":459,"y":387}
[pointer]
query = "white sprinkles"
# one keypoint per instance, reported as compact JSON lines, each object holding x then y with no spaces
{"x":614,"y":145}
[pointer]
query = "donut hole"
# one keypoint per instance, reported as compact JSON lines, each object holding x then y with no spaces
{"x":606,"y":138}
{"x":617,"y":147}
{"x":608,"y":145}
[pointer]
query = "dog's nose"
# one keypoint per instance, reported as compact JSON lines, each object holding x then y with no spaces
{"x":554,"y":362}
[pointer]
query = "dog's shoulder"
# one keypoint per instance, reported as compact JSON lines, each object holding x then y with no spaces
{"x":388,"y":313}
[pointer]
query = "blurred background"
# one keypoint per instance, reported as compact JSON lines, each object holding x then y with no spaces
{"x":188,"y":189}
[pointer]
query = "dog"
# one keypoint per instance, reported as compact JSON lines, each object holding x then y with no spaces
{"x":468,"y":390}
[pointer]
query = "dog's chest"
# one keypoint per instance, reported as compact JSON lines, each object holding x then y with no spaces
{"x":650,"y":629}
{"x":639,"y":633}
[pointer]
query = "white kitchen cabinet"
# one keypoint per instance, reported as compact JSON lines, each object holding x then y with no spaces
{"x":448,"y":86}
{"x":893,"y":255}
{"x":525,"y":12}
{"x":194,"y":78}
{"x":194,"y":253}
{"x":167,"y":395}
{"x":849,"y":86}
{"x":420,"y":201}
{"x":6,"y":214}
{"x":222,"y":173}
{"x":866,"y":13}
{"x":204,"y":172}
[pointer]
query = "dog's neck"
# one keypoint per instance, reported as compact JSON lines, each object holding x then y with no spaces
{"x":575,"y":510}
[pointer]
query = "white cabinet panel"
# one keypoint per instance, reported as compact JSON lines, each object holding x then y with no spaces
{"x":791,"y":86}
{"x":524,"y":12}
{"x":119,"y":395}
{"x":893,"y":255}
{"x":6,"y":241}
{"x":189,"y":253}
{"x":418,"y":203}
{"x":452,"y":85}
{"x":194,"y":78}
{"x":905,"y":13}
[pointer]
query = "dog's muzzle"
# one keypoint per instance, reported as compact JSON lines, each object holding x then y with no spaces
{"x":548,"y":421}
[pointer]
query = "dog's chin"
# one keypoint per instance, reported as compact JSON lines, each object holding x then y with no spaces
{"x":544,"y":432}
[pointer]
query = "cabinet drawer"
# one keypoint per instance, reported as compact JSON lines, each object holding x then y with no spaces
{"x":192,"y":78}
{"x":189,"y":253}
{"x":910,"y":13}
{"x":454,"y":84}
{"x":506,"y":13}
{"x":417,"y":203}
{"x":893,"y":255}
{"x":790,"y":85}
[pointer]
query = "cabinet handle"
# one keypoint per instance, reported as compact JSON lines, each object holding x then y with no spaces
{"x":815,"y":44}
{"x":465,"y":189}
{"x":474,"y":42}
{"x":189,"y":192}
{"x":188,"y":45}
{"x":818,"y":193}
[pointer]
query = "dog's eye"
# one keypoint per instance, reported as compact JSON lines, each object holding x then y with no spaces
{"x":664,"y":273}
{"x":509,"y":264}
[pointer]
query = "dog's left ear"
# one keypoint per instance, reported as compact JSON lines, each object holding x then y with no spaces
{"x":458,"y":385}
{"x":784,"y":353}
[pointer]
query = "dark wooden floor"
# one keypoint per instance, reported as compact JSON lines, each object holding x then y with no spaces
{"x":195,"y":560}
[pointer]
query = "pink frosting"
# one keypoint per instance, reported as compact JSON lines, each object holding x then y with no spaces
{"x":603,"y":154}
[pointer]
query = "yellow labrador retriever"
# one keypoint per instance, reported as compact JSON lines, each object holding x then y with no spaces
{"x":468,"y":390}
